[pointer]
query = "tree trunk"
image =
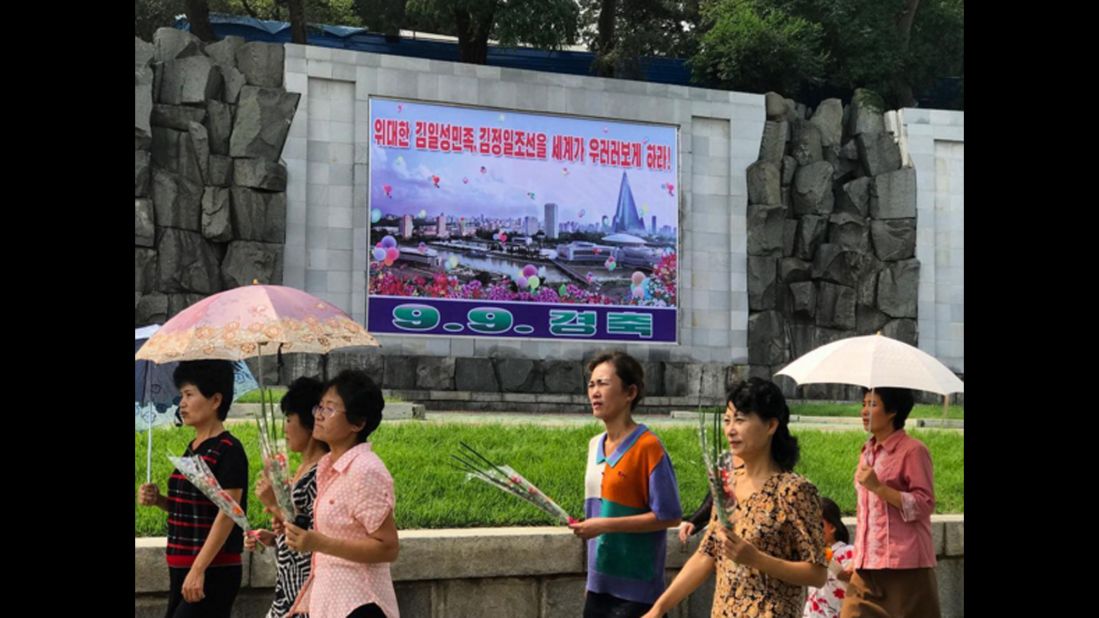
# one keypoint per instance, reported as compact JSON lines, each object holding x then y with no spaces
{"x":605,"y":39}
{"x":198,"y":15}
{"x":473,"y":31}
{"x":902,"y":90}
{"x":297,"y":21}
{"x":905,"y":21}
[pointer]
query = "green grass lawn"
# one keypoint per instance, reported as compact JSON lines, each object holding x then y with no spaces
{"x":431,"y":494}
{"x":822,"y":408}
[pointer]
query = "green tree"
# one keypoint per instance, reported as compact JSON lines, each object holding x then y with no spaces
{"x":749,"y":46}
{"x":622,"y":32}
{"x":539,"y":23}
{"x":152,"y":14}
{"x":895,"y":47}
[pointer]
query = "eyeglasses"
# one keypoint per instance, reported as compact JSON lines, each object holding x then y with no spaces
{"x":320,"y":412}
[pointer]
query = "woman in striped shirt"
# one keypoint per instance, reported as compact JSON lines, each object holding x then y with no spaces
{"x":291,"y":567}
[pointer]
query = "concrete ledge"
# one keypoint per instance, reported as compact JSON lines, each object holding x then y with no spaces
{"x":455,"y":553}
{"x":151,"y":569}
{"x":955,"y":534}
{"x":948,"y":423}
{"x":518,"y":397}
{"x":488,"y":552}
{"x":455,"y":395}
{"x":403,"y":410}
{"x":520,"y":571}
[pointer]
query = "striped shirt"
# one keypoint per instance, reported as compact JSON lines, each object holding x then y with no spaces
{"x":292,"y":568}
{"x":191,"y":514}
{"x":637,"y":478}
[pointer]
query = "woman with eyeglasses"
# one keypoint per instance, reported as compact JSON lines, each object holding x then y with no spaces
{"x":354,"y":535}
{"x":292,"y":568}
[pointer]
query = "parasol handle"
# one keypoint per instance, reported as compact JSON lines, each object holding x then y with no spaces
{"x":149,"y":456}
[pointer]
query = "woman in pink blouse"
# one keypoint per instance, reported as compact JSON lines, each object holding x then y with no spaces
{"x":894,"y":569}
{"x":354,"y":538}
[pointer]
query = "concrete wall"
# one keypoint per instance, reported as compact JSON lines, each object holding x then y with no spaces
{"x":934,"y":140}
{"x":529,"y":572}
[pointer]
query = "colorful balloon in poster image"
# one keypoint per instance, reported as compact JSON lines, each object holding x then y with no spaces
{"x":581,"y":214}
{"x":530,"y":270}
{"x":423,"y":248}
{"x":375,"y":215}
{"x":379,"y":254}
{"x":388,"y":191}
{"x":388,"y":242}
{"x":637,"y":288}
{"x":422,"y":214}
{"x":484,"y":169}
{"x":465,"y":180}
{"x":435,"y":179}
{"x":610,"y":264}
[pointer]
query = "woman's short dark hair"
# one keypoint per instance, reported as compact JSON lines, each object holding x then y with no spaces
{"x":210,"y":377}
{"x":626,"y":368}
{"x":303,"y":395}
{"x":896,"y":401}
{"x":764,"y":399}
{"x":361,"y":397}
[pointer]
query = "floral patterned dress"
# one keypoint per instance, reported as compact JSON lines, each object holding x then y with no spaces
{"x":782,"y":519}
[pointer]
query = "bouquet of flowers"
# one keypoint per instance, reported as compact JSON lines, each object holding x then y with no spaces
{"x":200,"y":475}
{"x":718,"y":464}
{"x":275,"y":463}
{"x":506,"y":479}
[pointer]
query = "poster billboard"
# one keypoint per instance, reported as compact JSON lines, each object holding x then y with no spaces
{"x":494,"y":223}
